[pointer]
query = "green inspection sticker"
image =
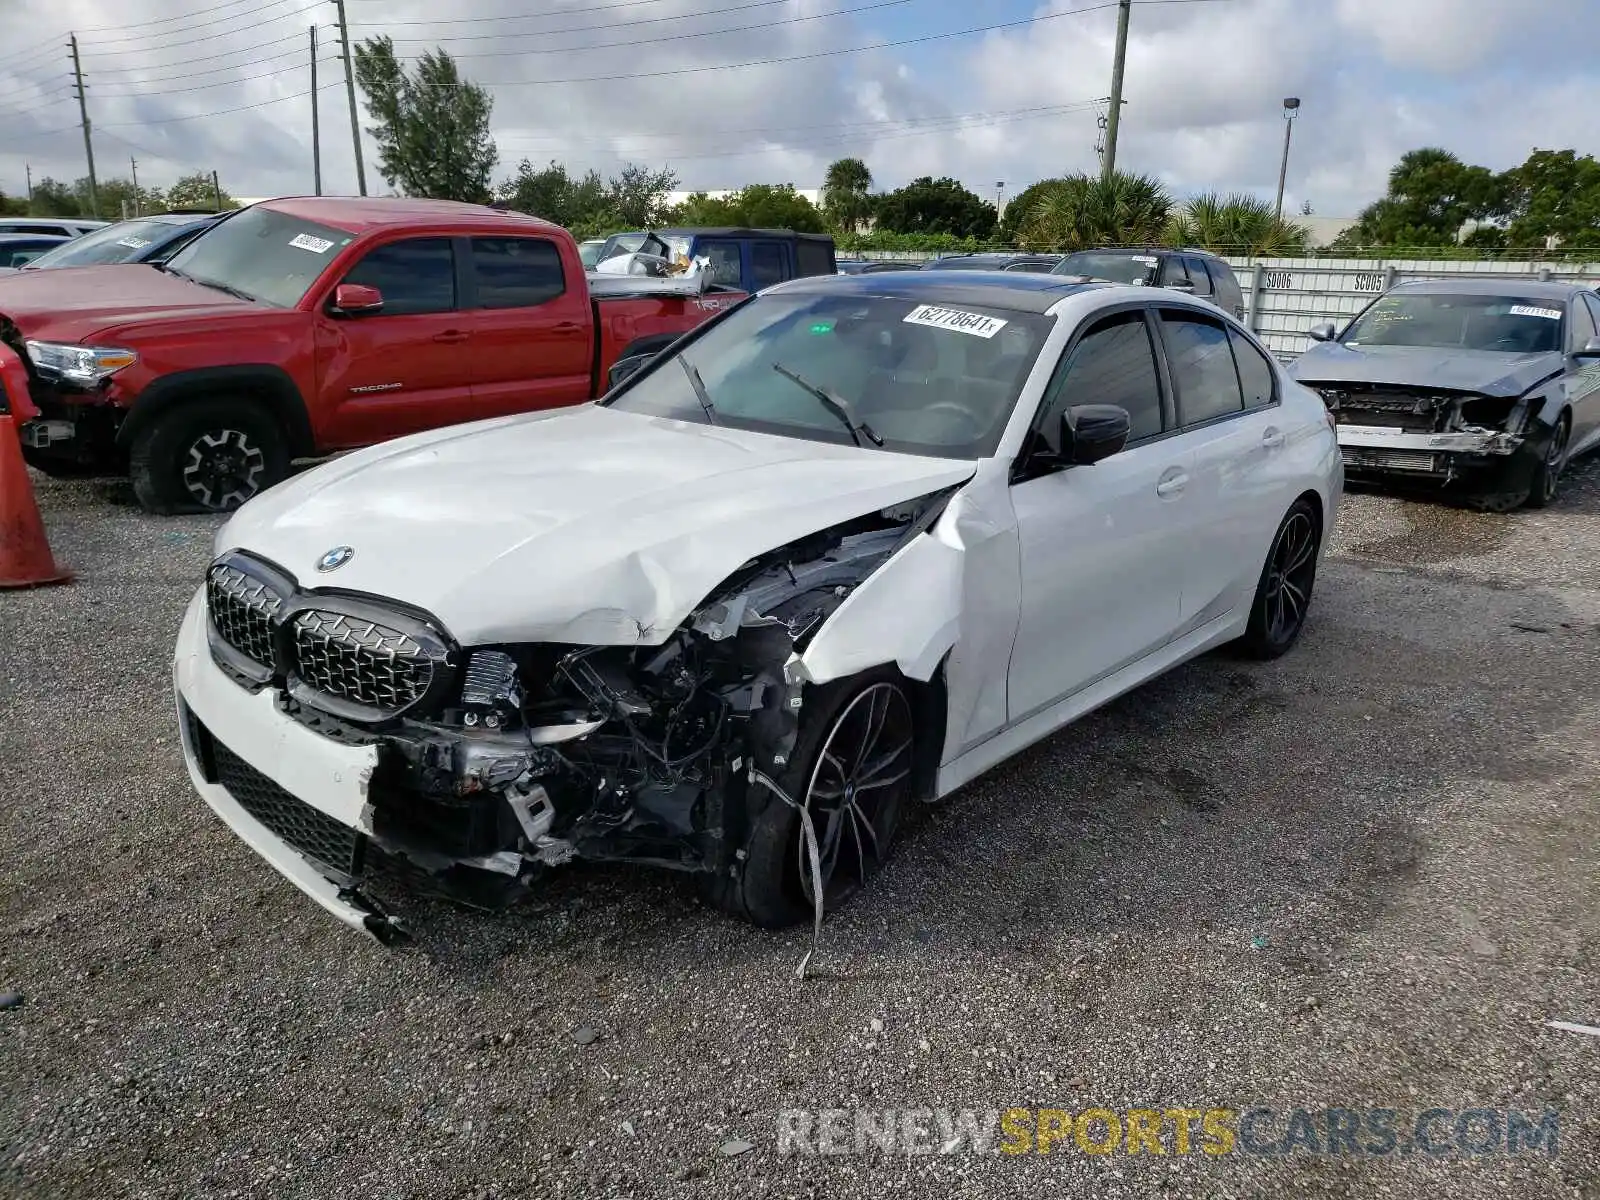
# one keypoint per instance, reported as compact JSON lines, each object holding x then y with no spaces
{"x":822,"y":327}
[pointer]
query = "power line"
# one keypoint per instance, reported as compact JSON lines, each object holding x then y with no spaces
{"x":688,"y":16}
{"x":196,"y":116}
{"x":145,"y":37}
{"x":204,"y":58}
{"x":210,"y":37}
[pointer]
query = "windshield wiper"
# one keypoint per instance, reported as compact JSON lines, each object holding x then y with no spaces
{"x":699,"y":386}
{"x":834,"y":403}
{"x":221,"y":287}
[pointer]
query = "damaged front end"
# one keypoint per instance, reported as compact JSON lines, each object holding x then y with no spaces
{"x":1435,"y":436}
{"x":503,"y":760}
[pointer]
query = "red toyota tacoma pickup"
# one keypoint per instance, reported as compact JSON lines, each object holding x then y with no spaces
{"x":299,"y":327}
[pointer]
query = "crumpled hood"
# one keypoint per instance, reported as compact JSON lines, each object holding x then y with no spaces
{"x":1488,"y":372}
{"x":73,"y":304}
{"x":582,"y":525}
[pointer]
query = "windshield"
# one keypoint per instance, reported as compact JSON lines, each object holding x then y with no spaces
{"x":1505,"y":324}
{"x":265,"y":255}
{"x":920,"y":378}
{"x":1137,"y":269}
{"x":589,"y":252}
{"x":126,"y":241}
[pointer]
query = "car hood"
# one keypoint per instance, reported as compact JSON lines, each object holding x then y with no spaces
{"x":583,"y":525}
{"x":1488,"y":372}
{"x":73,"y":304}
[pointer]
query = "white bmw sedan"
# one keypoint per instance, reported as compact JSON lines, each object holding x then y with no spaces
{"x":839,"y":550}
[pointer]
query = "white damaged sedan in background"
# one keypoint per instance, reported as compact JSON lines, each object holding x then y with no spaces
{"x":839,"y":550}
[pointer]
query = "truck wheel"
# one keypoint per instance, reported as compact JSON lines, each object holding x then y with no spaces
{"x":852,"y":770}
{"x":209,"y":456}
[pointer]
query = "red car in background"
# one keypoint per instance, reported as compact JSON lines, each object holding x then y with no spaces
{"x":298,"y":327}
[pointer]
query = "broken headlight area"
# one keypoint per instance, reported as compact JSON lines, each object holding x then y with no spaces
{"x":544,"y":753}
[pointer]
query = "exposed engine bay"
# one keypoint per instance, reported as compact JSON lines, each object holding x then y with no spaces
{"x":1423,"y":431}
{"x":545,"y":753}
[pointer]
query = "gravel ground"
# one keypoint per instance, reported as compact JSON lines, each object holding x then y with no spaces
{"x":1365,"y":875}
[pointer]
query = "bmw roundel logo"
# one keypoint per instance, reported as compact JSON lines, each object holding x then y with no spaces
{"x":335,"y":558}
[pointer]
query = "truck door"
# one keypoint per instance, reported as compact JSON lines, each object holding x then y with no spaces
{"x":403,"y":369}
{"x":532,"y":328}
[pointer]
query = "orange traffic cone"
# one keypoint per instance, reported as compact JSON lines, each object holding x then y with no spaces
{"x":25,"y":558}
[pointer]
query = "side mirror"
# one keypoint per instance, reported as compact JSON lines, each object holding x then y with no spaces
{"x":1323,"y":332}
{"x":1090,"y":432}
{"x":626,"y":369}
{"x":1591,"y":349}
{"x":356,"y":300}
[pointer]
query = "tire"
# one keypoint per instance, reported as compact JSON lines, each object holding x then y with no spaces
{"x":1546,"y":478}
{"x":207,"y":456}
{"x":772,"y":887}
{"x":1276,"y":615}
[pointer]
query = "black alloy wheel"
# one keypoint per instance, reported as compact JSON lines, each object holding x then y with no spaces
{"x":859,"y":783}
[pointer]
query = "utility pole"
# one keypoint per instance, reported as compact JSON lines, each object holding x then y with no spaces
{"x":1124,"y":7}
{"x":350,"y":91}
{"x":138,"y":201}
{"x":29,"y":167}
{"x":216,"y":191}
{"x":316,"y":129}
{"x":83,"y":111}
{"x":1291,"y":105}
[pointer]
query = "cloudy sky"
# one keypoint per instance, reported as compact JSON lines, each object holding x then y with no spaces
{"x":730,"y":92}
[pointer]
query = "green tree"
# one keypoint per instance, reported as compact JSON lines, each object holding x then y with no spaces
{"x":1236,"y":224}
{"x":52,"y":198}
{"x":119,"y":196}
{"x":1432,"y":194}
{"x":197,"y":191}
{"x":1554,"y":194}
{"x":847,"y":194}
{"x":1018,"y":208}
{"x":431,"y":127}
{"x":759,"y":206}
{"x":550,"y":192}
{"x":636,"y":196}
{"x":1080,"y":211}
{"x":929,"y":205}
{"x":13,"y":206}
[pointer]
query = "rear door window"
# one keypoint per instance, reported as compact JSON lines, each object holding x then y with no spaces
{"x":516,"y":272}
{"x":769,"y":264}
{"x":1197,"y":273}
{"x":1201,"y":364}
{"x":1257,"y":380}
{"x":1172,"y":271}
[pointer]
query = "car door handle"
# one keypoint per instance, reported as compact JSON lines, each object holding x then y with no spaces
{"x":1172,"y":485}
{"x":1272,"y":437}
{"x":451,"y":335}
{"x":566,"y":327}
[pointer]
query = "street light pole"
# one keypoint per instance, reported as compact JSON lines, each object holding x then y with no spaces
{"x":1291,"y":106}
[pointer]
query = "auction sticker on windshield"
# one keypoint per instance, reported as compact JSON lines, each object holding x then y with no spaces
{"x":133,"y":243}
{"x":955,"y":319}
{"x":316,"y":245}
{"x":1529,"y":310}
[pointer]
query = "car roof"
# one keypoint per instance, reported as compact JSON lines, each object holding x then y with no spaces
{"x":1022,"y":292}
{"x":359,"y":214}
{"x":53,"y":222}
{"x":10,"y":238}
{"x":732,"y":231}
{"x":1531,"y":288}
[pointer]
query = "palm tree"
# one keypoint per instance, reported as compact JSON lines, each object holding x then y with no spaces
{"x":1234,"y":224}
{"x":846,"y":194}
{"x":1079,"y":210}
